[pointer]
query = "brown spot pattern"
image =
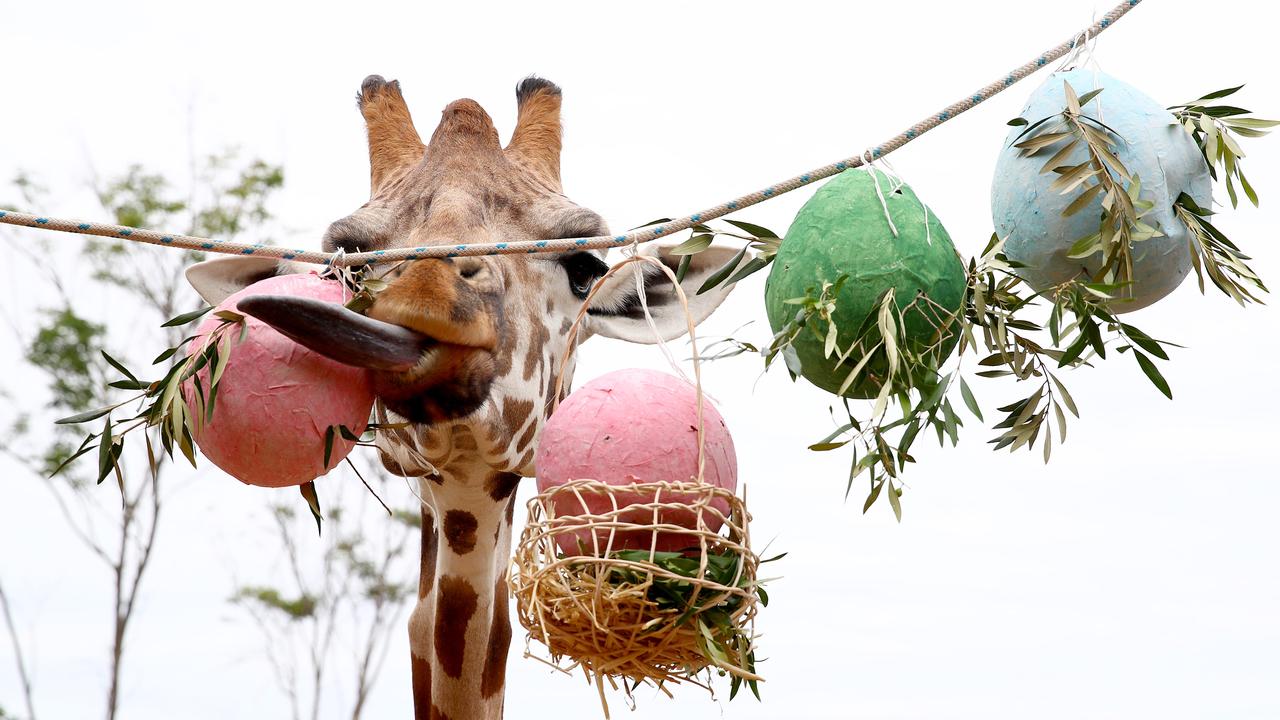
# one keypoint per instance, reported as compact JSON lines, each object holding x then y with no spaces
{"x":460,"y":531}
{"x":539,"y":336}
{"x":526,"y":458}
{"x":511,"y":510}
{"x":494,"y":676}
{"x":547,"y":398}
{"x":526,"y":437}
{"x":501,"y":485}
{"x":502,"y":355}
{"x":515,"y":412}
{"x":455,"y":606}
{"x":421,"y":685}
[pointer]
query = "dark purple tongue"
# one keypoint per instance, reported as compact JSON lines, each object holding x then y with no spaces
{"x":338,"y":333}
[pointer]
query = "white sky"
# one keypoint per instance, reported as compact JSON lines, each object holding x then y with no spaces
{"x":1134,"y":576}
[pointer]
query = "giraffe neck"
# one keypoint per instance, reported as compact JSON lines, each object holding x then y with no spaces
{"x":460,"y":630}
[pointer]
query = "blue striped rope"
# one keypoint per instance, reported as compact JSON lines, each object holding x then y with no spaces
{"x":642,"y":235}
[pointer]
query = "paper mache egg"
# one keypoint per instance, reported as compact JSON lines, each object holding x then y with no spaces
{"x":843,"y":230}
{"x":1154,"y":148}
{"x":276,"y":398}
{"x":634,"y":426}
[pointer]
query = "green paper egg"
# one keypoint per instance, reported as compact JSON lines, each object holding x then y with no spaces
{"x":843,"y":230}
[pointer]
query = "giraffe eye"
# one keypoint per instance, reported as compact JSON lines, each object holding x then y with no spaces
{"x":582,"y":270}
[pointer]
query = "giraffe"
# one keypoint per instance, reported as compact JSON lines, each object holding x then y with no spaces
{"x":467,"y":350}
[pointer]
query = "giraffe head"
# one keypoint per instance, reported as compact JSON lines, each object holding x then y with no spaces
{"x":490,"y":332}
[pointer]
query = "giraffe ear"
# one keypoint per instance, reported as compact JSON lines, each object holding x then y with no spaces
{"x":618,"y":313}
{"x":394,"y":144}
{"x":216,"y":279}
{"x":535,"y":144}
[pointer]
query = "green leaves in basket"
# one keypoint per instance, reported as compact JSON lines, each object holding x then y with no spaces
{"x":722,"y":642}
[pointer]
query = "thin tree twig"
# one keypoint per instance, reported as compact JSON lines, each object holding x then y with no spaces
{"x":24,"y":677}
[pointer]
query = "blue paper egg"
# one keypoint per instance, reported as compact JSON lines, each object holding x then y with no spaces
{"x":1153,"y":147}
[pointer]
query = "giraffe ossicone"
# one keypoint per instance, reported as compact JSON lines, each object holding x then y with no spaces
{"x":493,"y":332}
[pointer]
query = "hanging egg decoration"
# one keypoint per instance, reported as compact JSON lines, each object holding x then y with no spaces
{"x":848,"y":229}
{"x":1150,"y":145}
{"x":275,"y":399}
{"x":635,"y":426}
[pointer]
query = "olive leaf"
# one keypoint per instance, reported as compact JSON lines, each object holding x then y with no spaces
{"x":1216,"y":130}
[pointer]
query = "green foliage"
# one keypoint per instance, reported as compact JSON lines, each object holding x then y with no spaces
{"x":1217,"y":130}
{"x":308,"y":490}
{"x":410,"y":519}
{"x":31,"y":191}
{"x":232,"y":199}
{"x":297,"y":608}
{"x":723,"y":643}
{"x":762,"y":240}
{"x":239,"y":198}
{"x":883,"y":356}
{"x":66,"y":348}
{"x":71,"y":349}
{"x":74,"y":351}
{"x":138,"y":199}
{"x":1214,"y":255}
{"x":374,"y":583}
{"x":162,"y":406}
{"x":342,"y":604}
{"x":1079,"y":329}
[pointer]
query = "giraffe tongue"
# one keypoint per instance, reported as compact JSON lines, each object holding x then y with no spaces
{"x":338,"y":333}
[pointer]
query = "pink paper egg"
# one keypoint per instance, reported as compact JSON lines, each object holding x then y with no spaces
{"x":634,"y":426}
{"x":276,"y":398}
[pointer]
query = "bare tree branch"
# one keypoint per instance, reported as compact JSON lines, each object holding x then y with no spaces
{"x":23,"y":677}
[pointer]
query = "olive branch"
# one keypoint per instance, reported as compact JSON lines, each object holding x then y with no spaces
{"x":1100,"y":175}
{"x":162,"y":404}
{"x":1215,"y":129}
{"x":917,"y":394}
{"x":164,"y":407}
{"x":1214,"y":255}
{"x":762,"y":240}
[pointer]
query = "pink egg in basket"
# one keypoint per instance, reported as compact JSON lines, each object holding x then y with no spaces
{"x":634,"y":426}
